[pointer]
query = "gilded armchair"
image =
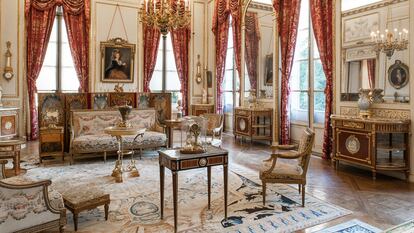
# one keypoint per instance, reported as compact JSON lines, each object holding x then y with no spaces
{"x":274,"y":171}
{"x":214,"y":128}
{"x":3,"y":169}
{"x":29,"y":206}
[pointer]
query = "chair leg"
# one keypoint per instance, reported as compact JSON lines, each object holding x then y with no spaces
{"x":264,"y":192}
{"x":61,"y":229}
{"x":303,"y":195}
{"x":104,"y":156}
{"x":299,"y":188}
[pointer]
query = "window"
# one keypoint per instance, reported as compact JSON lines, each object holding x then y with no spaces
{"x":172,"y":83}
{"x":231,"y":81}
{"x":307,"y":98}
{"x":58,"y":71}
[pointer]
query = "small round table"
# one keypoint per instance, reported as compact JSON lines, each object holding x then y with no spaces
{"x":10,"y":149}
{"x":120,"y":132}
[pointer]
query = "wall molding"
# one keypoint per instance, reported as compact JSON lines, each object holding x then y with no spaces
{"x":371,"y":7}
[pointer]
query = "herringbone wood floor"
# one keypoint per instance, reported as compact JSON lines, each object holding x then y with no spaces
{"x":382,"y":203}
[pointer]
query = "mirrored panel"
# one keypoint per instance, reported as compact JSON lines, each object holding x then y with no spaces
{"x":258,"y":50}
{"x":357,"y":74}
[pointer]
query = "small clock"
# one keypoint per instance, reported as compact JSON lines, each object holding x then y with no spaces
{"x":8,"y":70}
{"x":8,"y":75}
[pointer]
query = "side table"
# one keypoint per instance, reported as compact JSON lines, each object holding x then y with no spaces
{"x":175,"y":161}
{"x":10,"y":149}
{"x":51,"y":142}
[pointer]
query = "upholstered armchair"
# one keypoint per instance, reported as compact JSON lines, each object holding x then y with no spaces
{"x":3,"y":169}
{"x":214,"y":128}
{"x":29,"y":206}
{"x":293,"y":172}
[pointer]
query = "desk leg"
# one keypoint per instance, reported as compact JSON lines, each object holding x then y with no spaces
{"x":225,"y":190}
{"x":175,"y":191}
{"x":16,"y":163}
{"x":170,"y":136}
{"x":209,"y":185}
{"x":162,"y":191}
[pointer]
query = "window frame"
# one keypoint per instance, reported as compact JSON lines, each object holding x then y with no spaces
{"x":59,"y":20}
{"x":311,"y":90}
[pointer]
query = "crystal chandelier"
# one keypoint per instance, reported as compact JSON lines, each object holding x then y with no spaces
{"x":390,"y":41}
{"x":165,"y":14}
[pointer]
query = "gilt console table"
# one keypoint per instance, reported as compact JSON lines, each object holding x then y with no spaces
{"x":176,"y":161}
{"x":376,"y":143}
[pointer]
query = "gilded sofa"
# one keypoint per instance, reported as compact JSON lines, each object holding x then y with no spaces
{"x":27,"y":205}
{"x":88,"y":136}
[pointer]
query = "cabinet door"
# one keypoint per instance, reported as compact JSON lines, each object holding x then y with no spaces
{"x":354,"y":146}
{"x":242,"y":125}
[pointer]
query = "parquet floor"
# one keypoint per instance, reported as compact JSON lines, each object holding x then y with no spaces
{"x":382,"y":203}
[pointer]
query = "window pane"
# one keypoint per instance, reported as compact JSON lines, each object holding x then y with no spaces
{"x":319,"y":102}
{"x":173,"y":82}
{"x":67,"y":60}
{"x":53,"y":34}
{"x":299,"y":105}
{"x":156,"y":81}
{"x":70,"y":81}
{"x":51,"y":55}
{"x":229,"y":59}
{"x":170,"y":61}
{"x":299,"y":75}
{"x":228,"y":102}
{"x":228,"y":81}
{"x":302,"y":45}
{"x":47,"y":79}
{"x":319,"y":76}
{"x":304,"y":14}
{"x":64,"y":32}
{"x":315,"y":49}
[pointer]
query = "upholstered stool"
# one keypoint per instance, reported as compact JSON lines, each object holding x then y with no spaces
{"x":79,"y":199}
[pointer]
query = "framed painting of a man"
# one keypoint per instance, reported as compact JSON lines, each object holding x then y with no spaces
{"x":398,"y":75}
{"x":117,"y":61}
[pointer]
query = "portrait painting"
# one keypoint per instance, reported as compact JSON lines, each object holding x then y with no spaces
{"x":398,"y":75}
{"x":117,"y":61}
{"x":269,"y":70}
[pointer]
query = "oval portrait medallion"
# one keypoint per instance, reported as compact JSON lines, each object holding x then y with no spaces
{"x":352,"y":144}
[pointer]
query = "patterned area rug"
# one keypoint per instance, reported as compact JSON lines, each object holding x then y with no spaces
{"x":135,"y":202}
{"x":350,"y":227}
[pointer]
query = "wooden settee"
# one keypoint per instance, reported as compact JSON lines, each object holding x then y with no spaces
{"x":88,"y":136}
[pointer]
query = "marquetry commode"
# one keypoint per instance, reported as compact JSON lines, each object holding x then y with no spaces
{"x":377,"y":143}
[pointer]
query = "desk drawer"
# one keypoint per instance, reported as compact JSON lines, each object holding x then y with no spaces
{"x":53,"y":137}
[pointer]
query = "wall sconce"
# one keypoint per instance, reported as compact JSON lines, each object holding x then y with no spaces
{"x":8,"y":70}
{"x":199,"y":79}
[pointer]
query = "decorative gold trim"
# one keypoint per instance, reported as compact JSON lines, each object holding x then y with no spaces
{"x":371,"y":7}
{"x":260,"y":6}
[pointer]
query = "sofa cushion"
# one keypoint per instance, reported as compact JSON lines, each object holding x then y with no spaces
{"x":105,"y":142}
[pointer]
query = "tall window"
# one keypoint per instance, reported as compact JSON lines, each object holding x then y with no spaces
{"x":171,"y":83}
{"x":231,"y":81}
{"x":58,"y":71}
{"x":308,"y":79}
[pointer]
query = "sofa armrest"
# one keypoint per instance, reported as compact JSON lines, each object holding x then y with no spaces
{"x":28,"y":203}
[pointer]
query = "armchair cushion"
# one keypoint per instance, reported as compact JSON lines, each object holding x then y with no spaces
{"x":281,"y":170}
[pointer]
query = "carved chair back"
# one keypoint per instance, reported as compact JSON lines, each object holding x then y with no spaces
{"x":214,"y":121}
{"x":305,"y":148}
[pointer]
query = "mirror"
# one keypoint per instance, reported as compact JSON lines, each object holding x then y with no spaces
{"x":258,"y":49}
{"x":358,"y":74}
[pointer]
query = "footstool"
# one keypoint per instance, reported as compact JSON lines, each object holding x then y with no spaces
{"x":85,"y":198}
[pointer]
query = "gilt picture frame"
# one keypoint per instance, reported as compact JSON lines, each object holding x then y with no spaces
{"x":117,"y":61}
{"x":398,"y":75}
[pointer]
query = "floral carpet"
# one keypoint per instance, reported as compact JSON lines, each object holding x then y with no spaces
{"x":135,"y":202}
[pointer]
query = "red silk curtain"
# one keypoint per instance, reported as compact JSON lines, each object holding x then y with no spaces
{"x":288,"y":19}
{"x":371,"y":72}
{"x":252,"y":46}
{"x":322,"y":22}
{"x":221,"y":33}
{"x":235,"y":11}
{"x":40,"y":16}
{"x":151,"y":43}
{"x":77,"y":18}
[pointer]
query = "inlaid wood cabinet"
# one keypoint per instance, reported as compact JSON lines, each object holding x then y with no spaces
{"x":376,"y":143}
{"x":200,"y":109}
{"x":254,"y":123}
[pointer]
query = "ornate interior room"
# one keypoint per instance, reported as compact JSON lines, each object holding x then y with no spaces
{"x":206,"y":116}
